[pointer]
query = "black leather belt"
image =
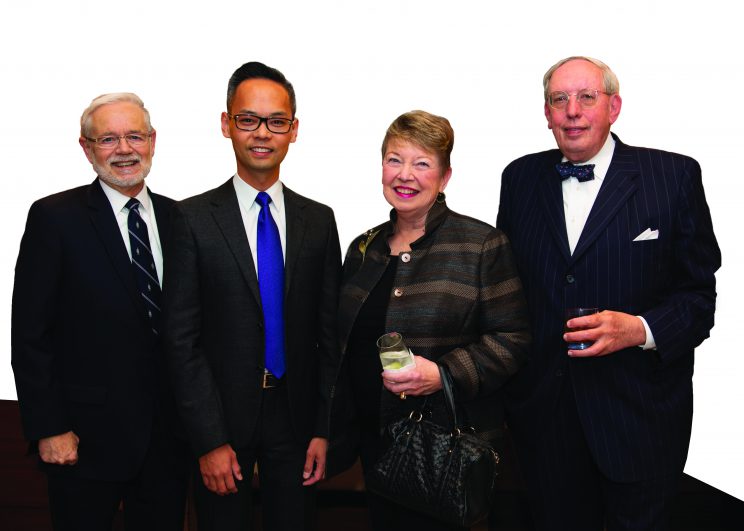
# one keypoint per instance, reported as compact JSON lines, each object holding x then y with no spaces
{"x":270,"y":381}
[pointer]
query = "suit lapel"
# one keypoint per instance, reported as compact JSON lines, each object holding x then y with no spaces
{"x":104,"y":222}
{"x":162,"y":217}
{"x":295,"y":217}
{"x":226,"y":213}
{"x":618,"y":186}
{"x":551,"y":195}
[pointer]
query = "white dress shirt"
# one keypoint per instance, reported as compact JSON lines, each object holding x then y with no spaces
{"x":249,"y":211}
{"x":578,"y":199}
{"x":147,"y":213}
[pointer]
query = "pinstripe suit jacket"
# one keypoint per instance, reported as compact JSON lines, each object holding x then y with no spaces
{"x":635,"y":406}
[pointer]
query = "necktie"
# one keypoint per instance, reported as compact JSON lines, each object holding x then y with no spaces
{"x":271,"y":285}
{"x":583,"y":173}
{"x":144,"y":264}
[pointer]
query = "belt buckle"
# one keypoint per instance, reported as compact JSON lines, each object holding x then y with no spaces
{"x":269,"y":380}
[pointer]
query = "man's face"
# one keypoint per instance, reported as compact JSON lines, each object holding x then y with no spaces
{"x":581,"y":131}
{"x":259,"y":153}
{"x":123,"y":167}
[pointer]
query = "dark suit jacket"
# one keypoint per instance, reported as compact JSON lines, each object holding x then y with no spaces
{"x":635,"y":406}
{"x":214,"y":323}
{"x":83,"y":353}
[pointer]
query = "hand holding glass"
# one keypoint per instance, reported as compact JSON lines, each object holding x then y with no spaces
{"x":578,"y":312}
{"x":394,"y":354}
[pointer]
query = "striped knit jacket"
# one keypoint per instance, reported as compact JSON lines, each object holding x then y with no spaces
{"x":457,"y":300}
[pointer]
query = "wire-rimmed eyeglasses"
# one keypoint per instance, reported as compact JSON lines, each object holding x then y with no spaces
{"x":111,"y":141}
{"x":584,"y":97}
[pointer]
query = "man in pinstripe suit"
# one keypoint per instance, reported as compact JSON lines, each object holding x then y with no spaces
{"x":602,"y":433}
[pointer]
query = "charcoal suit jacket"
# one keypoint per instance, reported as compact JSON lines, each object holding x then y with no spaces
{"x":214,"y":321}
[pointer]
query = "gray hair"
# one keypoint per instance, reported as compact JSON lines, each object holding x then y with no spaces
{"x":107,"y":99}
{"x":611,"y":84}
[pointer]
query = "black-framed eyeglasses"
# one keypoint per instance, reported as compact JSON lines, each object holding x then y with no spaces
{"x":251,"y":122}
{"x":111,"y":141}
{"x":584,"y":97}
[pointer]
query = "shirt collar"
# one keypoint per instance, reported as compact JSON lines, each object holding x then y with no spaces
{"x":601,"y":160}
{"x":247,"y":194}
{"x":118,"y":200}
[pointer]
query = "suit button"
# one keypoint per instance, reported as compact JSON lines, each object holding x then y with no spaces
{"x":559,"y":373}
{"x":570,"y":279}
{"x":405,"y":257}
{"x":398,"y":292}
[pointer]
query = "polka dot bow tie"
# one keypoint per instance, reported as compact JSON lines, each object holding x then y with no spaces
{"x":583,"y":172}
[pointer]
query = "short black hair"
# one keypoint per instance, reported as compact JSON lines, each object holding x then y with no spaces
{"x":256,"y":70}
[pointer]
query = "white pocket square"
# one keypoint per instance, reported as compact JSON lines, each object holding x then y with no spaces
{"x":647,"y":234}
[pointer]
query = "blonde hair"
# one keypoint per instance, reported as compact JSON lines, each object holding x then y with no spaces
{"x":428,"y":131}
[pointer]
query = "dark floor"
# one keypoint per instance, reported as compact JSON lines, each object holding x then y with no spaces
{"x":341,"y":502}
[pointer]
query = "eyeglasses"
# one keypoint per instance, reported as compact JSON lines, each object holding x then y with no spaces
{"x":251,"y":122}
{"x":111,"y":141}
{"x":585,"y":98}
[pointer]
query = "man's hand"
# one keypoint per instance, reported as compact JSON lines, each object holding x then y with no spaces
{"x":315,"y":461}
{"x":219,"y":469}
{"x":610,"y":332}
{"x":59,"y":449}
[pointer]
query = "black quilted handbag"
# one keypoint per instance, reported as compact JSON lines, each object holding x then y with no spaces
{"x":447,"y":473}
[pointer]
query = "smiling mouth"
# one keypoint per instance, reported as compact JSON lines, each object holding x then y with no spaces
{"x":573,"y":131}
{"x":404,"y":191}
{"x":124,"y":163}
{"x":260,"y":149}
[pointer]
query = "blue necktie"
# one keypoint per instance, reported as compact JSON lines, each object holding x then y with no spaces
{"x":271,"y":284}
{"x":583,"y":172}
{"x":144,"y":264}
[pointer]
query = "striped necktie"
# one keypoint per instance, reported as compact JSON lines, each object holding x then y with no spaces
{"x":144,"y":264}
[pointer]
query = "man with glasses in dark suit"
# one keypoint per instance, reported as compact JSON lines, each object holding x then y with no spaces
{"x":602,"y":416}
{"x":252,"y":286}
{"x":89,"y":370}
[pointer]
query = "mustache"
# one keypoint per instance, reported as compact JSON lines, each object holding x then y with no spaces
{"x":128,"y":158}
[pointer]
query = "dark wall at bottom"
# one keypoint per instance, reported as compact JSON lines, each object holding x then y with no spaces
{"x":341,"y":502}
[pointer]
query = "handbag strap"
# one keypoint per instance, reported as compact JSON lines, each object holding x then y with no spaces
{"x":449,"y":395}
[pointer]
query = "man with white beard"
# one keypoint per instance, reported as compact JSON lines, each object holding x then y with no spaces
{"x":86,"y":351}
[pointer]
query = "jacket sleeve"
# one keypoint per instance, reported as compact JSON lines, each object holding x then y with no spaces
{"x":196,"y":393}
{"x":482,"y":367}
{"x":34,"y":356}
{"x":328,"y":348}
{"x":684,"y":316}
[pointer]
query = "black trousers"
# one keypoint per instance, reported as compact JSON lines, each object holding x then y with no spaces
{"x":286,"y":505}
{"x":154,"y":500}
{"x":567,"y":491}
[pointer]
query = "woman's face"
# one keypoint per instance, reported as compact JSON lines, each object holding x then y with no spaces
{"x":411,"y":178}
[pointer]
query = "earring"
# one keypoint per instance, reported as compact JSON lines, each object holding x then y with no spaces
{"x":441,"y":197}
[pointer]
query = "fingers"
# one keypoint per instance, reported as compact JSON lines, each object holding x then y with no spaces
{"x":609,"y":332}
{"x":314,"y":470}
{"x":59,"y":449}
{"x":219,"y":469}
{"x":236,"y":470}
{"x":315,"y":461}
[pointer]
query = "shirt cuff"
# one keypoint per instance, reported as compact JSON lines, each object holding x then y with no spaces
{"x":650,"y":343}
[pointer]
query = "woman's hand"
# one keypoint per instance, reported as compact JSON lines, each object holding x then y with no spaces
{"x":421,"y":379}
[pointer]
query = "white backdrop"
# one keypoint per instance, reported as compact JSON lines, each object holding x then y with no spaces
{"x":355,"y":67}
